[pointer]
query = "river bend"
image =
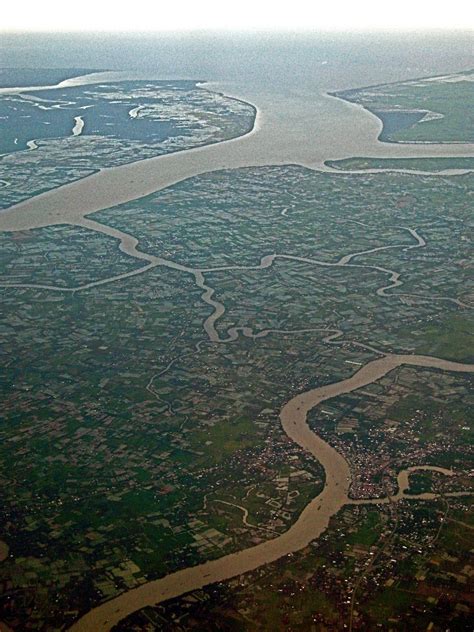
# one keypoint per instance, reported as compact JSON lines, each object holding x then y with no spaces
{"x":313,"y":520}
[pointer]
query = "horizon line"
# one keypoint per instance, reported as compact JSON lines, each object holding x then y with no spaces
{"x":245,"y":31}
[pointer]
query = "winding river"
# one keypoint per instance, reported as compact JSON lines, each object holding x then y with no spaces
{"x":285,"y":132}
{"x":313,"y":520}
{"x":129,"y":245}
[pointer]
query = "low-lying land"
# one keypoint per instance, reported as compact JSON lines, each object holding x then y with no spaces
{"x":415,"y":164}
{"x":428,"y":110}
{"x":127,"y":425}
{"x":148,"y":350}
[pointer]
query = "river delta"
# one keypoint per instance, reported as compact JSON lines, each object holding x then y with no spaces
{"x":236,"y":371}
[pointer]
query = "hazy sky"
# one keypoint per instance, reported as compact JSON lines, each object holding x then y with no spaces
{"x":170,"y":15}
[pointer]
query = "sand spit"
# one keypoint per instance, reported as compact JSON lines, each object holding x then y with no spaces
{"x":32,"y":145}
{"x":313,"y":520}
{"x":78,"y":126}
{"x":81,"y":80}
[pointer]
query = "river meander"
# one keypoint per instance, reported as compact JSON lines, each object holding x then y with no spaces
{"x":313,"y":520}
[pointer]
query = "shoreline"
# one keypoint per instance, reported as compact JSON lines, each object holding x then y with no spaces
{"x":77,"y":80}
{"x":394,"y":83}
{"x":271,"y":141}
{"x":339,"y":94}
{"x":275,"y":139}
{"x":281,"y":134}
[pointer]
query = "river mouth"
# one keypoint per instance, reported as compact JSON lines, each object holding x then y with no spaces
{"x":284,"y":132}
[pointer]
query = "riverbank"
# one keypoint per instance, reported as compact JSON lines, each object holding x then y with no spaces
{"x":312,"y":522}
{"x":283,"y":133}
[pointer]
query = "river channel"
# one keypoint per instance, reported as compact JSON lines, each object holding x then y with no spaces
{"x":313,"y":520}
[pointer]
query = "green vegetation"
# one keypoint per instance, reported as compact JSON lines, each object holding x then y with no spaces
{"x":421,"y":110}
{"x":451,"y":337}
{"x":457,"y":534}
{"x":387,"y":604}
{"x":123,"y":122}
{"x":409,"y":584}
{"x":417,"y":164}
{"x":125,"y":423}
{"x":223,"y":439}
{"x":368,"y":532}
{"x":421,"y":482}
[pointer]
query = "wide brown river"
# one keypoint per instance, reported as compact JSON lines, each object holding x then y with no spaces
{"x":298,"y":127}
{"x":313,"y":520}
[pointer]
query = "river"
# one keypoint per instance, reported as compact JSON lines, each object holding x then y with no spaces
{"x":297,"y":127}
{"x":297,"y":122}
{"x":313,"y":520}
{"x":282,"y":134}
